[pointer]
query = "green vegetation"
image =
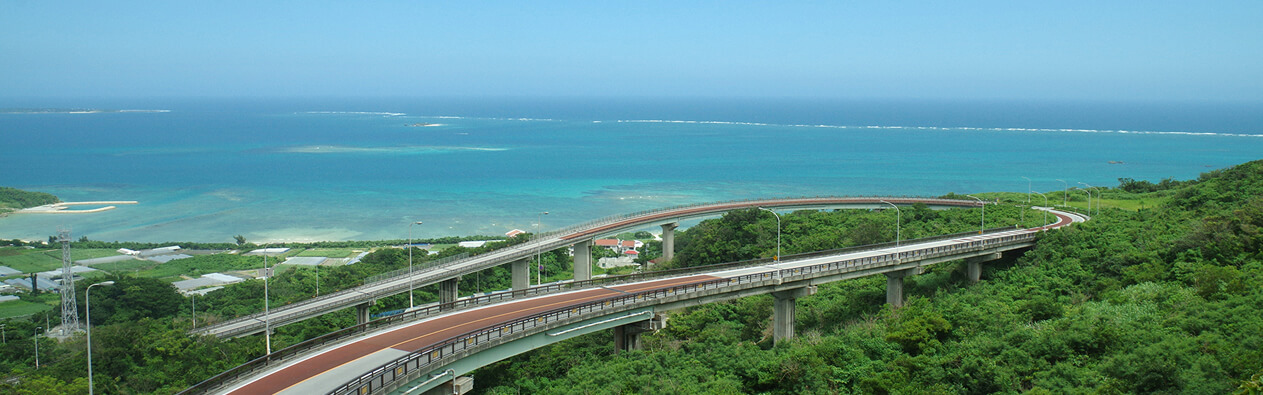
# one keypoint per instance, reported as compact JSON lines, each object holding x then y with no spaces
{"x":12,"y":199}
{"x":1164,"y":299}
{"x":203,"y":264}
{"x":21,"y":308}
{"x":44,"y":259}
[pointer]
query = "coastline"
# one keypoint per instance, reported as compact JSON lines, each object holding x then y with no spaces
{"x":63,"y":207}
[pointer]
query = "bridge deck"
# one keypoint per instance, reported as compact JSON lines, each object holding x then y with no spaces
{"x":332,"y":367}
{"x":302,"y":310}
{"x":320,"y":372}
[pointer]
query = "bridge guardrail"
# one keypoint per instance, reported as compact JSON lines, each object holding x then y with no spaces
{"x":255,"y":365}
{"x":308,"y":302}
{"x":386,"y":374}
{"x":452,"y":261}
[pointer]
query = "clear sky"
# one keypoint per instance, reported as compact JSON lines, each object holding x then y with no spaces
{"x":1111,"y":50}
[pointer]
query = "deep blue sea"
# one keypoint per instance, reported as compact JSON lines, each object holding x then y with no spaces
{"x":355,"y":169}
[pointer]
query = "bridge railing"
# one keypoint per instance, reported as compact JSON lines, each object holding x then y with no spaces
{"x":802,"y":200}
{"x":421,"y":266}
{"x":258,"y":364}
{"x":279,"y":314}
{"x":356,"y":295}
{"x":440,"y":353}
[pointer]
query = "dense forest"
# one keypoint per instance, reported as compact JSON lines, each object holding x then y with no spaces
{"x":1160,"y":292}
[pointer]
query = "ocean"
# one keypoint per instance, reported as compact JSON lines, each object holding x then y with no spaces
{"x":363,"y":169}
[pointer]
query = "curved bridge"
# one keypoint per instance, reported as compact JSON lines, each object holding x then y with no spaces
{"x":404,"y":354}
{"x":579,"y":236}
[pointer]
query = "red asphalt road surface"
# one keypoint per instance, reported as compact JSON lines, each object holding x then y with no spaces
{"x":424,"y":334}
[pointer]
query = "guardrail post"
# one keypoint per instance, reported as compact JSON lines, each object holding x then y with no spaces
{"x":668,"y":240}
{"x":583,"y":260}
{"x":447,"y":290}
{"x":521,"y":273}
{"x":973,"y":265}
{"x":783,"y":311}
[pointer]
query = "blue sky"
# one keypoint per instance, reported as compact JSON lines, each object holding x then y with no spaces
{"x":1112,"y":50}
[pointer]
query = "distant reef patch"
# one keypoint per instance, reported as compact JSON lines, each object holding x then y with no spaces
{"x":404,"y":150}
{"x":68,"y":111}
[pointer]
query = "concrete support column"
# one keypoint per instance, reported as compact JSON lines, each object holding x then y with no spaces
{"x":521,"y":274}
{"x":783,"y":311}
{"x":894,"y":288}
{"x":461,"y":385}
{"x":973,"y":266}
{"x":583,"y":260}
{"x":668,"y":240}
{"x":627,"y":337}
{"x":448,"y":291}
{"x":361,"y":312}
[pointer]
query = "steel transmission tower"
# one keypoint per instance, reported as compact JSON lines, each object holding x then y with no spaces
{"x":69,"y":308}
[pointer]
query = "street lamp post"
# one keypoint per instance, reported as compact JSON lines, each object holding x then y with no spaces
{"x":267,"y":318}
{"x":37,"y":329}
{"x":778,"y":233}
{"x":1028,"y":191}
{"x":1065,"y":193}
{"x":1045,"y":211}
{"x":87,"y":302}
{"x":1089,"y":197}
{"x":410,"y":305}
{"x":539,"y":259}
{"x":898,"y":219}
{"x":193,"y":297}
{"x":983,"y":226}
{"x":1098,"y":197}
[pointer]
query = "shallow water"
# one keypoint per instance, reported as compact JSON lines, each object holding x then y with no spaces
{"x":299,"y":170}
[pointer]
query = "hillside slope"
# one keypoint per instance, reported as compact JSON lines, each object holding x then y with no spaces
{"x":1167,"y":299}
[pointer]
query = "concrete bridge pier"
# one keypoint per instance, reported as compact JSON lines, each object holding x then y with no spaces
{"x":894,"y":286}
{"x":668,"y":240}
{"x":627,"y":336}
{"x":973,"y":266}
{"x":783,"y":311}
{"x":583,"y":260}
{"x":361,"y":311}
{"x":448,"y":290}
{"x":521,"y":274}
{"x":459,"y":385}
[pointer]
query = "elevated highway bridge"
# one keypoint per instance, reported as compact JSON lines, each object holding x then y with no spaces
{"x":430,"y":347}
{"x":579,"y":236}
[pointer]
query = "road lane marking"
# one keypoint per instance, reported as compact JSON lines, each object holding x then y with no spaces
{"x":581,"y":300}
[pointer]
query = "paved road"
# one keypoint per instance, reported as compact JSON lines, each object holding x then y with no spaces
{"x":546,"y":242}
{"x":334,"y":366}
{"x":319,"y":373}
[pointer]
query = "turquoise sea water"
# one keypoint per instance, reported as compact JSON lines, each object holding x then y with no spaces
{"x":338,"y":170}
